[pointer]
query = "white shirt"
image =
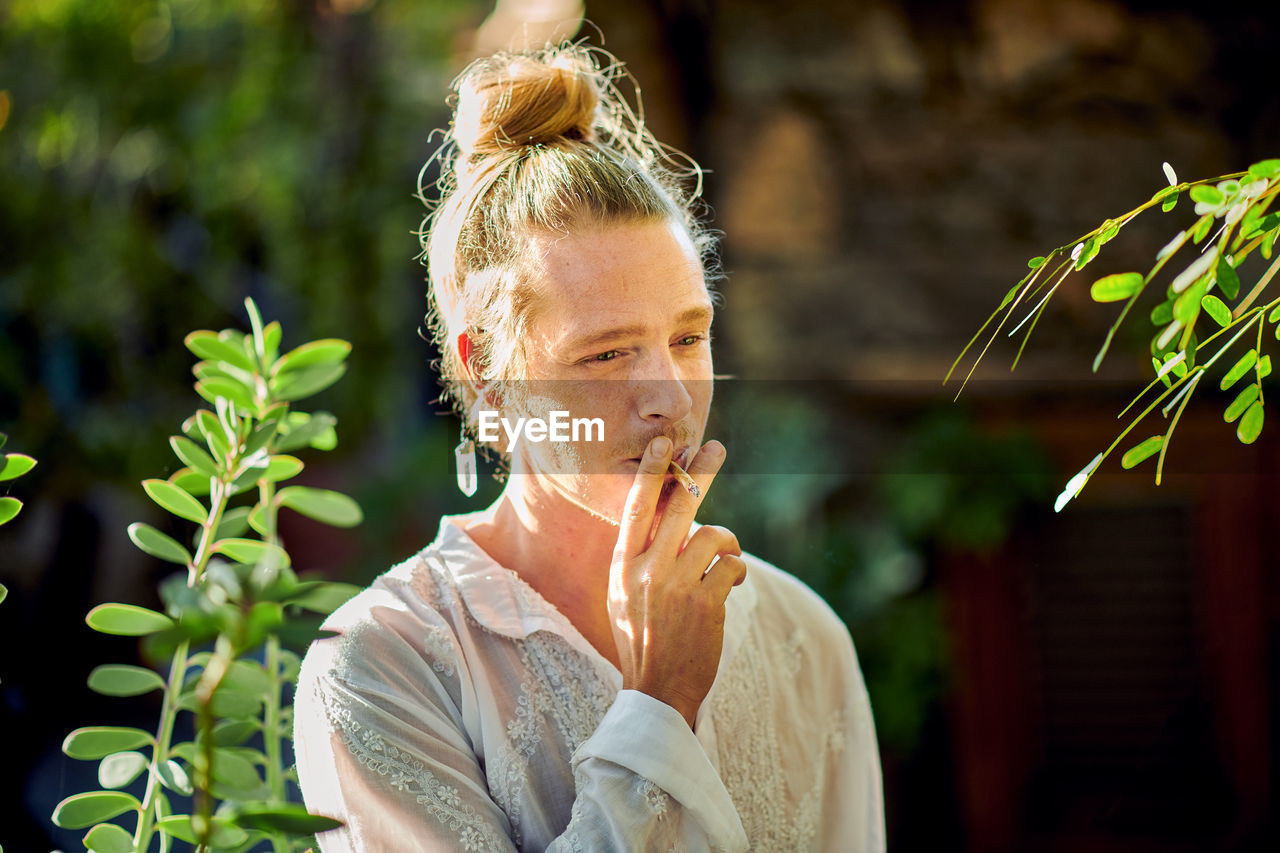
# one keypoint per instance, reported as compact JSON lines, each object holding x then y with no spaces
{"x":459,"y":710}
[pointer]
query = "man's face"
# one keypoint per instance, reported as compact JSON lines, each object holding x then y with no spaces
{"x":621,"y":332}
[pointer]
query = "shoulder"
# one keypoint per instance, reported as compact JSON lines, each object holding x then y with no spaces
{"x":397,"y":631}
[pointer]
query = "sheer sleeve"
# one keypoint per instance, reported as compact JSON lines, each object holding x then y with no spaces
{"x":381,"y":744}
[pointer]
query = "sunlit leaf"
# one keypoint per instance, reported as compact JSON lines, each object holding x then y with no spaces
{"x":234,"y":732}
{"x":282,"y":467}
{"x":193,"y":456}
{"x":251,"y":551}
{"x":1205,"y":194}
{"x":208,"y":345}
{"x":157,"y":544}
{"x":120,"y":768}
{"x":127,"y":620}
{"x":306,"y":381}
{"x":248,"y":677}
{"x":108,"y":838}
{"x":326,"y":351}
{"x":1228,"y":280}
{"x":15,"y":465}
{"x":214,"y":387}
{"x":192,"y":482}
{"x":83,"y":810}
{"x":1265,"y":169}
{"x":1113,"y":288}
{"x":1239,"y":369}
{"x":1216,"y":309}
{"x":1264,"y":367}
{"x":1142,"y":451}
{"x":323,"y":505}
{"x":9,"y":507}
{"x":1035,"y":263}
{"x":1250,"y":426}
{"x":291,"y":818}
{"x":322,"y":596}
{"x":124,"y":680}
{"x":173,"y":777}
{"x":175,"y":500}
{"x":1242,"y":401}
{"x":223,"y":837}
{"x":93,"y":742}
{"x":231,"y":768}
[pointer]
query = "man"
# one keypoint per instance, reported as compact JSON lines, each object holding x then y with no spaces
{"x":579,"y":666}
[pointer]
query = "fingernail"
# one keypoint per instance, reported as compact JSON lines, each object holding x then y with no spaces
{"x":713,"y":449}
{"x":660,"y":446}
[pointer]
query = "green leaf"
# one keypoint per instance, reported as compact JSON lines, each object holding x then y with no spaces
{"x":157,"y":544}
{"x":94,"y":742}
{"x":15,"y":465}
{"x":1264,"y":367}
{"x":1170,"y":203}
{"x":323,"y":505}
{"x":291,"y":818}
{"x":1187,"y":306}
{"x":215,"y":436}
{"x":108,"y":838}
{"x":306,"y":381}
{"x":1265,"y":169}
{"x":214,"y":387}
{"x":234,"y":732}
{"x":326,"y":351}
{"x":271,"y":336}
{"x":225,"y":836}
{"x":127,"y":620}
{"x":1036,"y":263}
{"x":4,"y":592}
{"x":235,"y":770}
{"x":120,"y":768}
{"x":175,"y":500}
{"x":122,"y":680}
{"x":251,"y":551}
{"x":1216,"y":309}
{"x":323,"y":597}
{"x":1088,"y":252}
{"x":1238,"y":369}
{"x":173,"y":777}
{"x":1201,"y":228}
{"x":95,"y":807}
{"x":9,"y":507}
{"x":247,"y":677}
{"x":1228,"y":280}
{"x":1241,"y":402}
{"x":192,"y":482}
{"x":1250,"y":426}
{"x":213,"y":347}
{"x":1113,"y":288}
{"x":282,"y":467}
{"x":1205,"y":194}
{"x":1140,"y":452}
{"x":193,"y":456}
{"x":302,"y":429}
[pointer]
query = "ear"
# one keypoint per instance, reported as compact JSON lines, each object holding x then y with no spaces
{"x":465,"y":350}
{"x":484,"y":390}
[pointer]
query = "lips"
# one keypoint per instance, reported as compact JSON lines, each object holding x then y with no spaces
{"x":681,"y":457}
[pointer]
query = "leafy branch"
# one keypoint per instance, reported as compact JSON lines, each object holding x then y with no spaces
{"x":238,"y":602}
{"x":1237,"y":205}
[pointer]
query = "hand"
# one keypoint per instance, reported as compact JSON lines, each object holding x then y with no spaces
{"x":665,"y":607}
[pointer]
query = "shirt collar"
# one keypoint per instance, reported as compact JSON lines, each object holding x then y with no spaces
{"x":502,"y":602}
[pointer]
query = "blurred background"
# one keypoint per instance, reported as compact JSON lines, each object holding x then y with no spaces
{"x":1104,"y":679}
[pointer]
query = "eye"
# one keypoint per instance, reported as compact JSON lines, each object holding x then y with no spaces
{"x":693,"y":340}
{"x":606,"y":356}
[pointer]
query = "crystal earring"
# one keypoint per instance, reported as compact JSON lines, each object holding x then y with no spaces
{"x":465,"y":454}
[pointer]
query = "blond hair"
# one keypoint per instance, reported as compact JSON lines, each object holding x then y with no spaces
{"x":541,"y":141}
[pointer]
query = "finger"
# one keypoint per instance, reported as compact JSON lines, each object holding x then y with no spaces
{"x":642,"y":500}
{"x":724,"y":574}
{"x":704,"y":545}
{"x":676,"y":519}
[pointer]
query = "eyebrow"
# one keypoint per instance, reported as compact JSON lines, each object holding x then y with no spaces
{"x":700,"y":314}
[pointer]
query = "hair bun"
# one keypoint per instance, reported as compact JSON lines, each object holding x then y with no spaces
{"x":509,"y":101}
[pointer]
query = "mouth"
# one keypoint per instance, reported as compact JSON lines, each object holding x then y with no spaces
{"x":680,"y":457}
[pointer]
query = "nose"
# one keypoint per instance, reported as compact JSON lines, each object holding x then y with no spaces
{"x":661,"y":393}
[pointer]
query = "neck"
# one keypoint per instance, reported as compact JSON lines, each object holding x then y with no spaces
{"x":558,"y":547}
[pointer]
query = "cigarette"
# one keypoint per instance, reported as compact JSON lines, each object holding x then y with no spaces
{"x":683,"y":478}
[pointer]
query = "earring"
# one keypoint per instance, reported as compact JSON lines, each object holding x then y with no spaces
{"x":465,"y":453}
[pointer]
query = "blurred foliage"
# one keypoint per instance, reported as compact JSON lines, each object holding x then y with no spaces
{"x":163,"y":160}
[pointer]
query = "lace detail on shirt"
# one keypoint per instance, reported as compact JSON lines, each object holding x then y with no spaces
{"x":751,"y":761}
{"x":790,"y":653}
{"x":408,"y":774}
{"x":563,"y":689}
{"x":440,"y":652}
{"x":657,"y":799}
